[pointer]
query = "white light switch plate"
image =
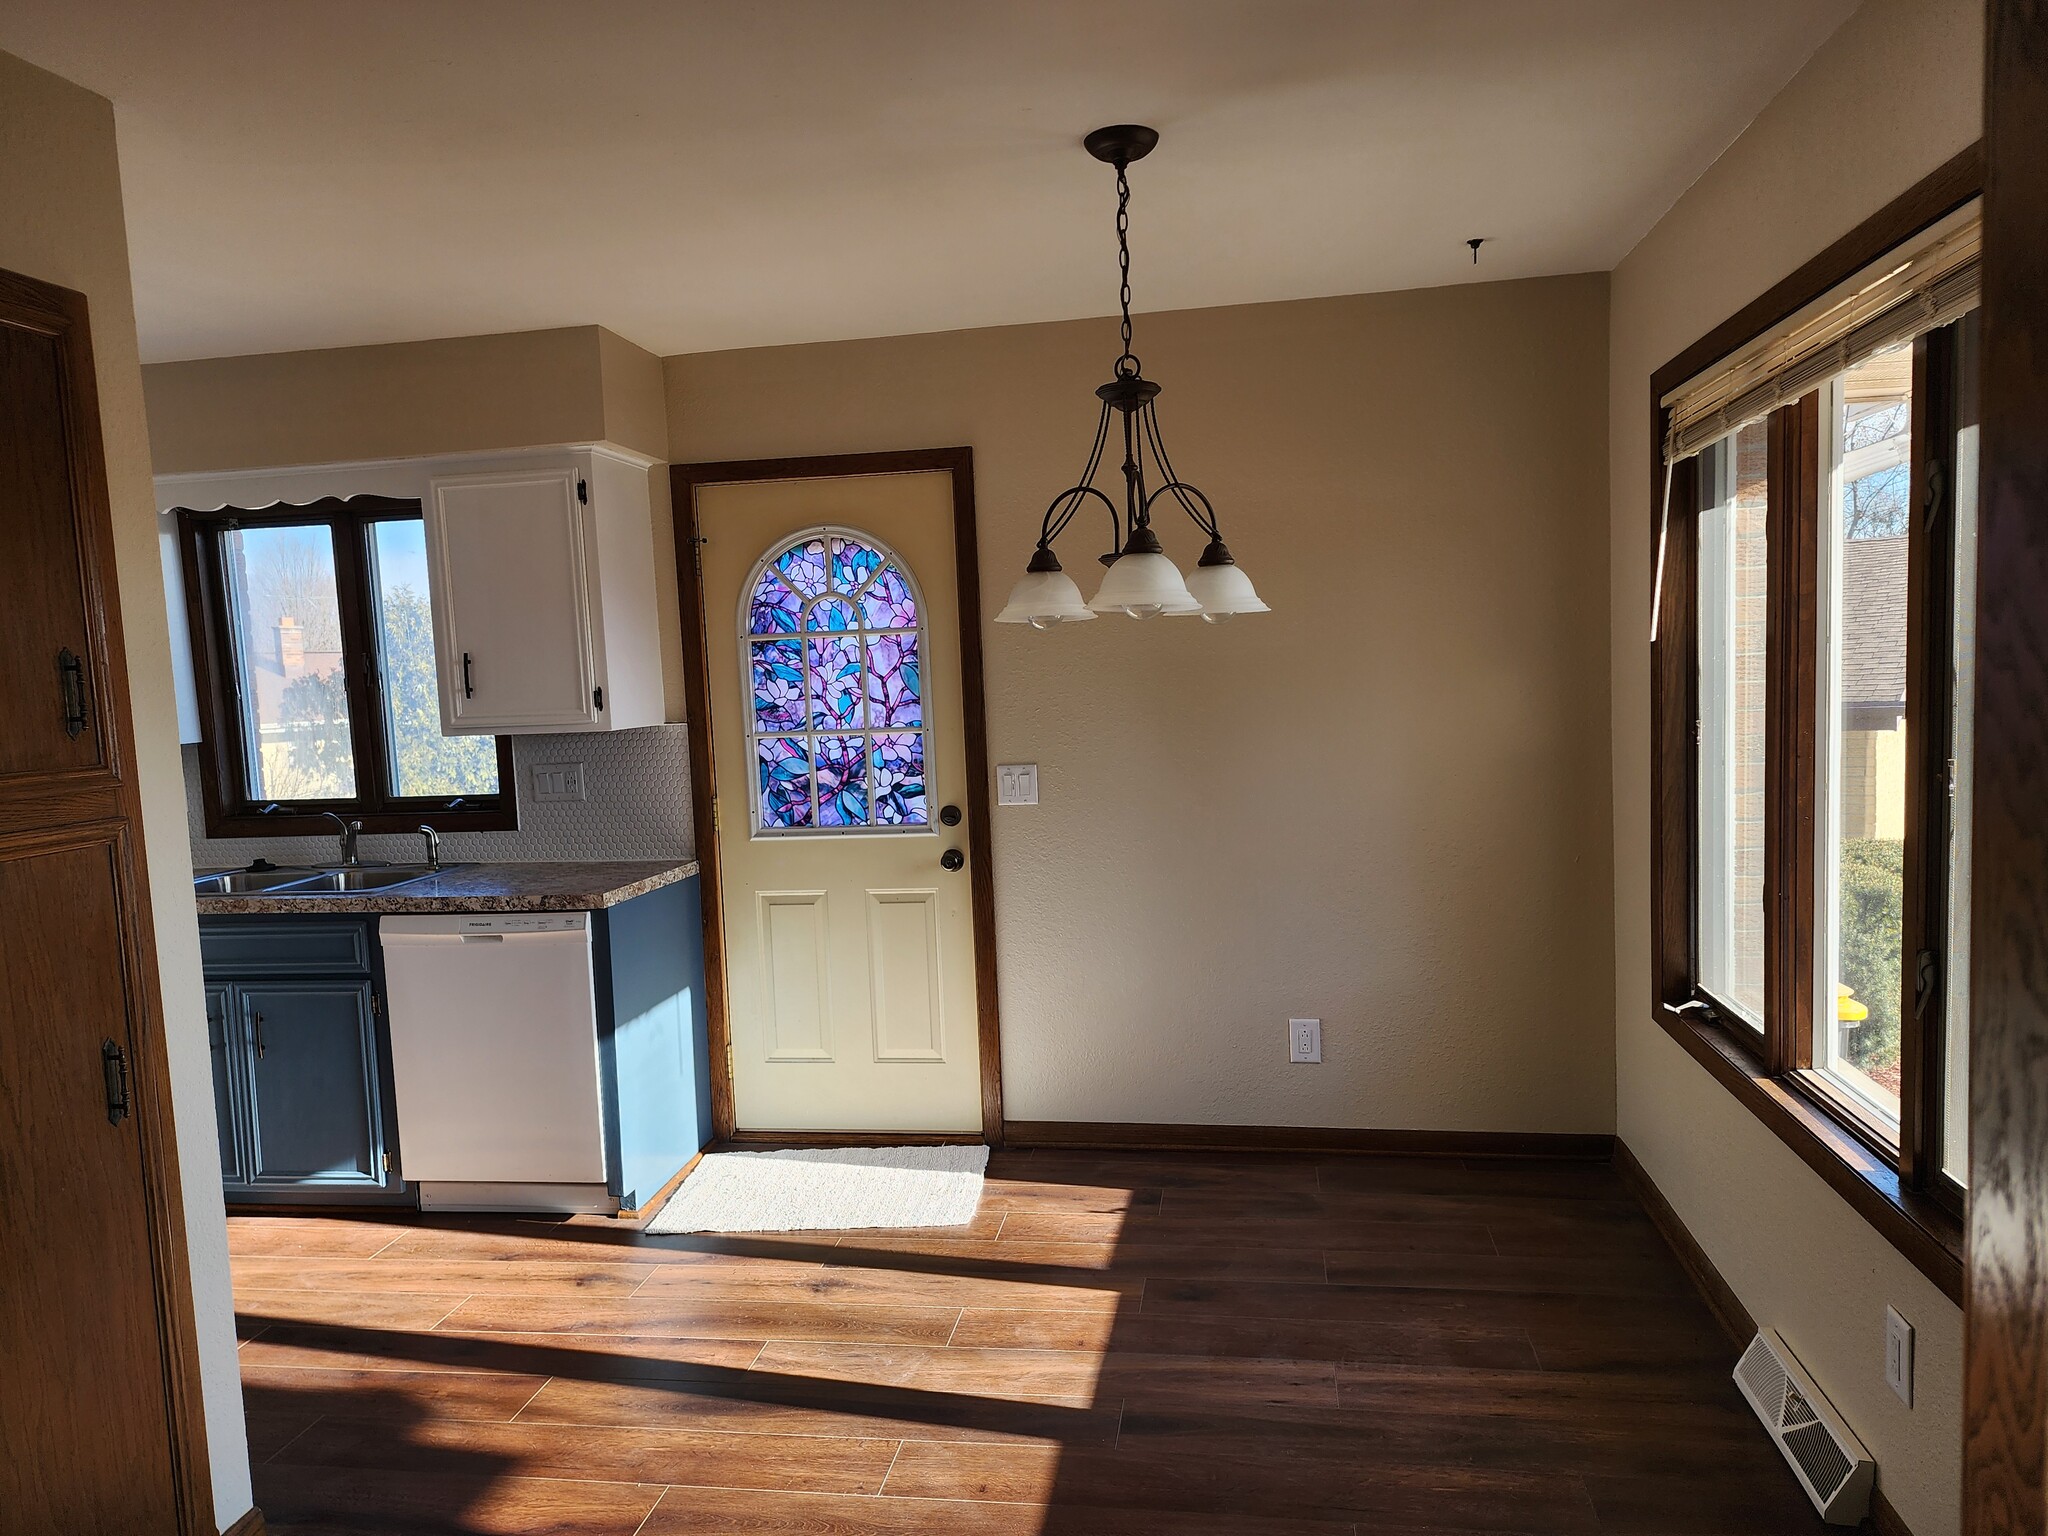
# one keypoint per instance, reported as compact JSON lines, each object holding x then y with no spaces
{"x":1898,"y":1355}
{"x":557,"y":781}
{"x":1017,"y":784}
{"x":1305,"y":1040}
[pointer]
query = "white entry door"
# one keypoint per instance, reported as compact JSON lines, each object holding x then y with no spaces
{"x":832,"y":637}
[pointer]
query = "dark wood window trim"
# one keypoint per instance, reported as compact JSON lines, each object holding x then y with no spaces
{"x":1917,"y":1213}
{"x":230,"y":813}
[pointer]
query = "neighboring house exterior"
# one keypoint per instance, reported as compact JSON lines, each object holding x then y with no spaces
{"x":1873,"y":689}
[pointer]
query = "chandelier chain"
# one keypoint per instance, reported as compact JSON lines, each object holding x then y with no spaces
{"x":1123,"y":253}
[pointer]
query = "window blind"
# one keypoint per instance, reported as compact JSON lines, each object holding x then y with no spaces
{"x":1912,"y":291}
{"x":1921,"y":286}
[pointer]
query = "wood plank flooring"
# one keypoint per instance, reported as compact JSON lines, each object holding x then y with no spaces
{"x":1117,"y":1345}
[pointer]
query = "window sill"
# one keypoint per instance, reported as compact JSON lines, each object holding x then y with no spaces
{"x":1915,"y":1224}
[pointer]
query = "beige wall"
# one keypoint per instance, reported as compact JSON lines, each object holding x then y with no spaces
{"x":416,"y":399}
{"x":1385,"y":803}
{"x":60,"y":184}
{"x":1890,"y":96}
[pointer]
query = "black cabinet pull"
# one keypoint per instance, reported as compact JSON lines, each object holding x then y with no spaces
{"x":468,"y":691}
{"x":257,"y":1015}
{"x":114,"y":1064}
{"x":71,"y":680}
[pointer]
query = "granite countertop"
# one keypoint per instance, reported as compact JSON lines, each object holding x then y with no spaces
{"x":481,"y":888}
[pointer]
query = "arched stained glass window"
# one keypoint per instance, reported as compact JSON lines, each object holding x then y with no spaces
{"x":833,"y":650}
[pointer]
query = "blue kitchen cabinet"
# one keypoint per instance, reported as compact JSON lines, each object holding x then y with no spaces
{"x":653,"y":1038}
{"x":302,"y":1089}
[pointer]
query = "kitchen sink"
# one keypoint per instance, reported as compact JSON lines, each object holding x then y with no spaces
{"x":248,"y":882}
{"x":313,"y":882}
{"x":340,"y":882}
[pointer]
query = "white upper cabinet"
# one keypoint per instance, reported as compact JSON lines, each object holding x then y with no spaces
{"x":543,"y":597}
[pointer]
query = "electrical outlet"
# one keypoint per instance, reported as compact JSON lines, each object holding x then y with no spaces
{"x":557,"y":781}
{"x":1305,"y":1040}
{"x":1017,"y":784}
{"x":1898,"y":1355}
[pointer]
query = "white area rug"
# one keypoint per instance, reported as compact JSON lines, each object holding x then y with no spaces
{"x":827,"y":1189}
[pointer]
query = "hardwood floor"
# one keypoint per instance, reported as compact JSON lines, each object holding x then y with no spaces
{"x":1118,"y":1345}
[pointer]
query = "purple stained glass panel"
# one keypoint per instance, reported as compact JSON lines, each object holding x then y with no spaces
{"x":778,"y":685}
{"x":895,"y":694}
{"x":852,"y":563}
{"x":835,"y":683}
{"x":888,"y":603}
{"x":773,"y":609}
{"x":899,"y":780}
{"x":842,"y":781}
{"x":803,"y":567}
{"x":785,"y":770}
{"x":832,"y":613}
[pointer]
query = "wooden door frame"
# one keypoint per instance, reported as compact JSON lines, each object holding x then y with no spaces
{"x":104,"y":805}
{"x":2005,"y":1327}
{"x":684,"y":482}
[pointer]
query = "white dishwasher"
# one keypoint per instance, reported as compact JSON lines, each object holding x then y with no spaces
{"x":495,"y":1061}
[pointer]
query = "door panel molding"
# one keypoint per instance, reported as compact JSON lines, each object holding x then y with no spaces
{"x":896,"y":975}
{"x":791,"y":993}
{"x":685,"y":481}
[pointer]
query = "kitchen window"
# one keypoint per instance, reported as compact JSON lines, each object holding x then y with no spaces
{"x":313,"y":642}
{"x":1812,"y":672}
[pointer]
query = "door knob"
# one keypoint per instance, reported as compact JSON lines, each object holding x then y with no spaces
{"x":952,"y":858}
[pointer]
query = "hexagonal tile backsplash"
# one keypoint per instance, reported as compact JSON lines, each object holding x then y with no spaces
{"x":636,"y":805}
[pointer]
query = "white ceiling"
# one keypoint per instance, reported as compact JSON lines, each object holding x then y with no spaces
{"x":706,"y":175}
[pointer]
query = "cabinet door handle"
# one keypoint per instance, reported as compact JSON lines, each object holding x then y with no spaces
{"x":468,"y":689}
{"x":71,"y":681}
{"x":114,"y":1064}
{"x":257,"y":1015}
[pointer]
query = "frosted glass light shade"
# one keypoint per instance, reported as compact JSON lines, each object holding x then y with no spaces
{"x":1223,"y":590}
{"x":1144,"y":585}
{"x":1043,"y":599}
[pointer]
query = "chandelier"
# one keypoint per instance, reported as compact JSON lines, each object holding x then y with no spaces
{"x":1141,"y":581}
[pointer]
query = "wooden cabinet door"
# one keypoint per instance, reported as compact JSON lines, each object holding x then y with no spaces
{"x":100,"y":1418}
{"x":85,"y":1416}
{"x":315,"y":1113}
{"x":52,"y":657}
{"x":512,"y":622}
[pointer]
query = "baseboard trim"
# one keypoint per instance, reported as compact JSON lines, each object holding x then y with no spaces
{"x":1719,"y":1296}
{"x":756,"y":1141}
{"x":1119,"y":1136}
{"x":250,"y":1524}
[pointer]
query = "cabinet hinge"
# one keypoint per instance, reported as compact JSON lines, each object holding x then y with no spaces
{"x":376,"y":1006}
{"x":583,"y":492}
{"x":387,"y":1162}
{"x":597,"y":699}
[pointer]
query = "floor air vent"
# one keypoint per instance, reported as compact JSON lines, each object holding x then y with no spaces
{"x":1828,"y":1459}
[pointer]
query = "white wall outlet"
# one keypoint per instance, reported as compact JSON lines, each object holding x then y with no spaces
{"x":1304,"y":1039}
{"x":1017,"y":784}
{"x":1898,"y":1355}
{"x":557,"y":781}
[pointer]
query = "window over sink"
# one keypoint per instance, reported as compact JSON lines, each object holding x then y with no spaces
{"x":314,"y":643}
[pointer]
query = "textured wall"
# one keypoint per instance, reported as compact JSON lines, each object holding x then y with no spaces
{"x":1385,"y":803}
{"x":636,"y":805}
{"x":1886,"y":100}
{"x":61,"y":186}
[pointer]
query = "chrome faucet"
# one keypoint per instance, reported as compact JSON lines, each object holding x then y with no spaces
{"x":351,"y":857}
{"x":433,"y":846}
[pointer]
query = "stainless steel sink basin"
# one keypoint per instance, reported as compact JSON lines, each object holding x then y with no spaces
{"x":341,"y":882}
{"x":248,"y":882}
{"x":313,"y":882}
